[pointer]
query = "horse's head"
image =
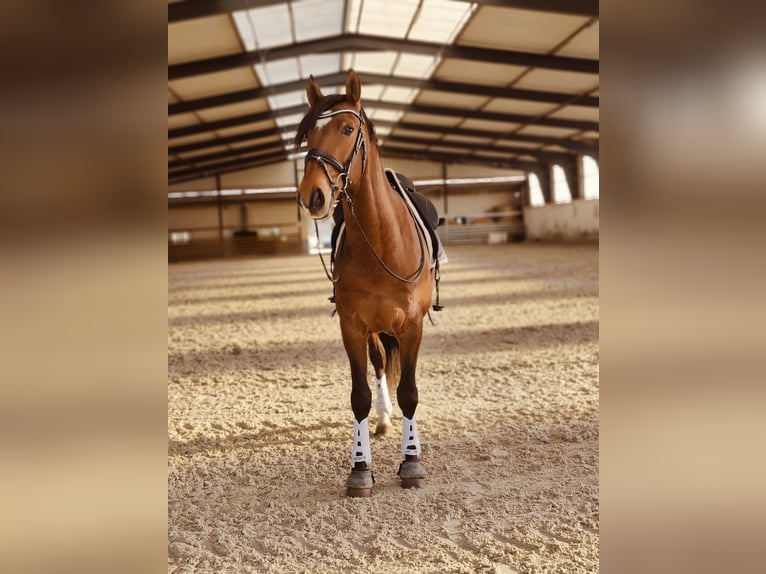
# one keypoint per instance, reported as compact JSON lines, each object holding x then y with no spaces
{"x":335,"y":131}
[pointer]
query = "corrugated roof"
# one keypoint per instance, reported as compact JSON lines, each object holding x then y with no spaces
{"x":510,"y":84}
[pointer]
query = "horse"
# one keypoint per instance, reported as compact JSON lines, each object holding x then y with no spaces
{"x":382,"y":277}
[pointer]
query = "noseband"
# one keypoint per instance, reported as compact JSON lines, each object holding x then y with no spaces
{"x":323,"y":158}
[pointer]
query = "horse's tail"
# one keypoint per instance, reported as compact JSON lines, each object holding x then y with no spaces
{"x":393,"y":362}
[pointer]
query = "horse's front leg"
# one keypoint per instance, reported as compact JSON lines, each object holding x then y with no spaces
{"x":360,"y":480}
{"x":411,"y":472}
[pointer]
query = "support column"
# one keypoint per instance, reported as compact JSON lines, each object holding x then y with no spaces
{"x":573,"y":173}
{"x":220,"y":214}
{"x":444,"y":189}
{"x":545,"y":178}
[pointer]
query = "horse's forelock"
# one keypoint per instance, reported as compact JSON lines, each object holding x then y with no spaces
{"x":325,"y":103}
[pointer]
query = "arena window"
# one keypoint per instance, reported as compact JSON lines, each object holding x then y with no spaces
{"x":536,"y":198}
{"x":590,"y":177}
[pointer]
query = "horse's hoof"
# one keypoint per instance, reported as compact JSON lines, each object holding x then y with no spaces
{"x":384,"y":430}
{"x":412,"y":474}
{"x":352,"y":492}
{"x":359,"y":484}
{"x":412,"y":482}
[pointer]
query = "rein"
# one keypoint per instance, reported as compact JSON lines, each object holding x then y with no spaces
{"x":386,"y":268}
{"x":331,"y":272}
{"x":323,"y":158}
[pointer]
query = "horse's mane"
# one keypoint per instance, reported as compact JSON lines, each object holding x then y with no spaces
{"x":325,"y":103}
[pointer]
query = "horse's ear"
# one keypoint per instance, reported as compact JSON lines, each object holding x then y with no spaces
{"x":353,"y":87}
{"x":313,"y":92}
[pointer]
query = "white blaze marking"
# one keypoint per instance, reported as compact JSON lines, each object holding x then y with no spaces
{"x":322,"y":122}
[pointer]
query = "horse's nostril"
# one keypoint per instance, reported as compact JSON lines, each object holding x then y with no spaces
{"x":317,"y":200}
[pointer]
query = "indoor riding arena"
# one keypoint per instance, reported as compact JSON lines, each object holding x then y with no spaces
{"x":491,"y":110}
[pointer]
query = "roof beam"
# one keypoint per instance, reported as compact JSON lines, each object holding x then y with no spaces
{"x":409,"y":153}
{"x":226,"y":140}
{"x":340,"y":78}
{"x":233,"y":122}
{"x":575,"y":7}
{"x":481,"y":90}
{"x":226,"y":167}
{"x":574,"y":145}
{"x":389,"y":151}
{"x":357,"y":42}
{"x":229,"y":153}
{"x":424,"y":141}
{"x":179,"y":11}
{"x":545,"y":155}
{"x":238,"y":97}
{"x":491,"y":116}
{"x":414,"y":108}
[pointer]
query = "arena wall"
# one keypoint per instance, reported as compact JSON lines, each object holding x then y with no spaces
{"x":574,"y":221}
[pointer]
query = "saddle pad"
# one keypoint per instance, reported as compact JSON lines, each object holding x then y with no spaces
{"x":432,"y":240}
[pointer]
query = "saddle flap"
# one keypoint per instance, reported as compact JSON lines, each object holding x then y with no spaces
{"x":424,"y":206}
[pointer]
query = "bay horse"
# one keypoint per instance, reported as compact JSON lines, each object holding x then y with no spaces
{"x":383,"y":280}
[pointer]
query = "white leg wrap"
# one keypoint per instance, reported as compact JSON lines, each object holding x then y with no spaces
{"x":410,"y":440}
{"x":361,"y":450}
{"x":383,"y":407}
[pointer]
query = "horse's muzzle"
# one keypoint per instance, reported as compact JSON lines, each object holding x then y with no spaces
{"x":317,"y":205}
{"x":317,"y":201}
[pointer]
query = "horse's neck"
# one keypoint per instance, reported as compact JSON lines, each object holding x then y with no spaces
{"x":376,"y":207}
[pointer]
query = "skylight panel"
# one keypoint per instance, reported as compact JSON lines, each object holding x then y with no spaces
{"x":371,"y":92}
{"x":386,"y":18}
{"x":378,"y":114}
{"x":278,"y":71}
{"x":317,"y":19}
{"x":352,"y":22}
{"x":319,"y":64}
{"x":348,"y":60}
{"x":374,"y":62}
{"x":399,"y":95}
{"x":289,"y":120}
{"x":440,"y":21}
{"x":415,"y":65}
{"x":288,"y":100}
{"x":264,"y":27}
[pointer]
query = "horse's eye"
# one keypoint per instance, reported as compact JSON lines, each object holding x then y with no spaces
{"x":348,"y":130}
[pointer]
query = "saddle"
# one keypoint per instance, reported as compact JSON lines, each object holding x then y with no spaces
{"x":421,"y":208}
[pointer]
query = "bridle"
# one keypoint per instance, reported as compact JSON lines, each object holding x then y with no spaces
{"x":323,"y":158}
